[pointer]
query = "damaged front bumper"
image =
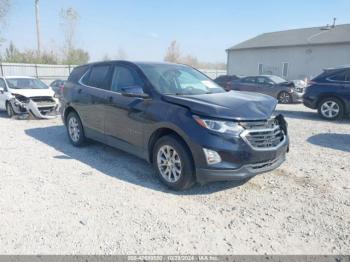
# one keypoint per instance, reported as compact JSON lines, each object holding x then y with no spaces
{"x":40,"y":107}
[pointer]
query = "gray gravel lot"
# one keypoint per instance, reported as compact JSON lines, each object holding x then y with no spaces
{"x":57,"y":199}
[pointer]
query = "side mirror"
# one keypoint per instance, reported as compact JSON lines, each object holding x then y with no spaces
{"x":2,"y":90}
{"x":134,"y":91}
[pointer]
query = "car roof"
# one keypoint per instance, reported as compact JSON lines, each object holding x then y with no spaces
{"x":137,"y":63}
{"x":338,"y":67}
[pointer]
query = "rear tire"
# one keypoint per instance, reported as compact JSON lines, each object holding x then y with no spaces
{"x":331,"y":109}
{"x":284,"y":98}
{"x":173,"y":163}
{"x":9,"y":110}
{"x":75,"y":130}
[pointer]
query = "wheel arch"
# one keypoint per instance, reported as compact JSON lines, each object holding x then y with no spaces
{"x":164,"y":131}
{"x":68,"y":110}
{"x":329,"y":96}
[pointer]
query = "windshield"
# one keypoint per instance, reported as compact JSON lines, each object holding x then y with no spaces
{"x":277,"y":79}
{"x":25,"y":83}
{"x":179,"y":80}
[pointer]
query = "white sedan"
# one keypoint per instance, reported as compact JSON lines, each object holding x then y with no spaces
{"x":21,"y":95}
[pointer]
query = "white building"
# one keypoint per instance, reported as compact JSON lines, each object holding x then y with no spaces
{"x":292,"y":54}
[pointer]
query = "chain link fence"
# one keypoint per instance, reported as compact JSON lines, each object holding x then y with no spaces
{"x":49,"y":73}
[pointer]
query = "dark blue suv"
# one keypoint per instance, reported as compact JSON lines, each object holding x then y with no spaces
{"x":329,"y":93}
{"x":176,"y":118}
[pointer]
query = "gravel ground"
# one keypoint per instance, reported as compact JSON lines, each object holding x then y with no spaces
{"x":57,"y":199}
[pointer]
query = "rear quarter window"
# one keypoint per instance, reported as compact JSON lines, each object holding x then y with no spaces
{"x":77,"y":73}
{"x":97,"y":76}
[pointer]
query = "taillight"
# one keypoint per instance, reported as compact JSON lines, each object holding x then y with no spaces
{"x":61,"y":89}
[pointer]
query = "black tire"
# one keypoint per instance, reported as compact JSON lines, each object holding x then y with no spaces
{"x":337,"y":105}
{"x":9,"y":110}
{"x":80,"y":139}
{"x":187,"y":177}
{"x":284,"y":98}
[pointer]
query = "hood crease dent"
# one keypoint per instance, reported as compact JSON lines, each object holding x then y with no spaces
{"x":233,"y":105}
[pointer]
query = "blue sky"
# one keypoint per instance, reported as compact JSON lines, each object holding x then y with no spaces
{"x":145,"y":28}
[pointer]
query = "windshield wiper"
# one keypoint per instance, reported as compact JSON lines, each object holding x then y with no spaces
{"x":173,"y":94}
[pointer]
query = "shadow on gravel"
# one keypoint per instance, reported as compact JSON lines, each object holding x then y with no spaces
{"x":335,"y":141}
{"x":308,"y":116}
{"x":114,"y":162}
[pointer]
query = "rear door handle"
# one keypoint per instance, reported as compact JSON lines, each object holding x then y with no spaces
{"x":110,"y":99}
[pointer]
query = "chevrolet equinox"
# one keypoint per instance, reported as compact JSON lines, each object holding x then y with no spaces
{"x":176,"y":118}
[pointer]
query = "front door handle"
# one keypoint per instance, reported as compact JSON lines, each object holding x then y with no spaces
{"x":79,"y":90}
{"x":110,"y":99}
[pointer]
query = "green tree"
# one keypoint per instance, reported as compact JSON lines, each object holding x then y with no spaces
{"x":12,"y":54}
{"x":76,"y":57}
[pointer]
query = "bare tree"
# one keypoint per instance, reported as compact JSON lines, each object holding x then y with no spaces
{"x":37,"y":19}
{"x":121,"y":55}
{"x":190,"y":60}
{"x":69,"y":22}
{"x":4,"y":9}
{"x":173,"y":53}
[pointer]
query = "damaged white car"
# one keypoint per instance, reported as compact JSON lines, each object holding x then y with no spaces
{"x":27,"y":95}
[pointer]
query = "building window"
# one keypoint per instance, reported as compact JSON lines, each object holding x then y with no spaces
{"x":260,"y":69}
{"x":285,"y":70}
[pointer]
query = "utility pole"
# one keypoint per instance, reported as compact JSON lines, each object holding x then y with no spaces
{"x":37,"y":25}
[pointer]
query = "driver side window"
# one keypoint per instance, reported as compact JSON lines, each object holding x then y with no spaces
{"x":124,"y":79}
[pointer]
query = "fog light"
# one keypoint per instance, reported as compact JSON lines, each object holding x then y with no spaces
{"x":211,"y":156}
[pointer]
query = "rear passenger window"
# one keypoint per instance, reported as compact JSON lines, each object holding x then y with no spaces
{"x":97,"y":77}
{"x":343,"y":76}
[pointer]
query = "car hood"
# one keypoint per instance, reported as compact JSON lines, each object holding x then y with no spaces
{"x":33,"y":92}
{"x":233,"y":105}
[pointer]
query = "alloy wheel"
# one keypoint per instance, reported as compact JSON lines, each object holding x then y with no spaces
{"x":169,"y":164}
{"x":284,"y":98}
{"x":73,"y":127}
{"x":330,"y":109}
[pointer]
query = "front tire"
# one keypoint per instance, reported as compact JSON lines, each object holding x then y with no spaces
{"x":331,"y":109}
{"x":173,"y":163}
{"x":75,"y":130}
{"x":9,"y":110}
{"x":284,"y":98}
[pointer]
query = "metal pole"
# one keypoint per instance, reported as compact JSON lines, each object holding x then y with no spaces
{"x":37,"y":25}
{"x":36,"y":71}
{"x":2,"y":69}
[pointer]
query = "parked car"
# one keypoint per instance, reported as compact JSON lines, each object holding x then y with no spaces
{"x":329,"y":93}
{"x":275,"y":86}
{"x":20,"y":95}
{"x":176,"y":118}
{"x":299,"y":85}
{"x":57,"y":86}
{"x":225,"y":81}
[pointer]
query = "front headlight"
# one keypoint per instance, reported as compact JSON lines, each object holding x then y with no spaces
{"x":21,"y":98}
{"x":219,"y":126}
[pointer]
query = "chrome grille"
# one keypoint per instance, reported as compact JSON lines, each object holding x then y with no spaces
{"x":263,"y":135}
{"x":43,"y":101}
